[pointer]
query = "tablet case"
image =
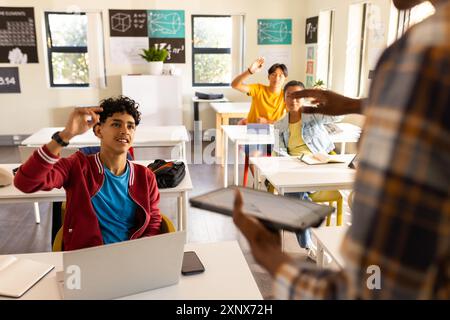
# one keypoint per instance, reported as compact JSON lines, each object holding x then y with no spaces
{"x":312,"y":213}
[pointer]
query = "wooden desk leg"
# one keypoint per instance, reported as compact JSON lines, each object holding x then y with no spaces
{"x":320,"y":254}
{"x":37,"y":215}
{"x":342,"y":147}
{"x":225,"y":158}
{"x":219,"y":150}
{"x":236,"y":163}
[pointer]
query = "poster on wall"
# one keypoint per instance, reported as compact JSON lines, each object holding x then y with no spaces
{"x":17,"y":35}
{"x":312,"y":25}
{"x":134,"y":30}
{"x":9,"y":80}
{"x":274,"y":31}
{"x":309,"y":81}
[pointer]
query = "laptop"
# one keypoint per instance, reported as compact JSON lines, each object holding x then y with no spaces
{"x":124,"y":268}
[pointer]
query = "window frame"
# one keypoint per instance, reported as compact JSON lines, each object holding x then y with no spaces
{"x":207,"y":51}
{"x":67,"y":49}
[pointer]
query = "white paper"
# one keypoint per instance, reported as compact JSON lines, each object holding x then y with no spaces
{"x":275,"y":55}
{"x":125,"y":50}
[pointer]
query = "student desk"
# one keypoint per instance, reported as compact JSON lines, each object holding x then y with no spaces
{"x":329,"y":239}
{"x":238,"y":135}
{"x":11,"y":194}
{"x":289,"y":174}
{"x":145,"y":136}
{"x":224,"y":112}
{"x":226,"y":277}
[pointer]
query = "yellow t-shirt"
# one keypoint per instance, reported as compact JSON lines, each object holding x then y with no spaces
{"x":265,"y":104}
{"x":296,"y":145}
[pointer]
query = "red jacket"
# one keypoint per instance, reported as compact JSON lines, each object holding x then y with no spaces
{"x":82,"y":177}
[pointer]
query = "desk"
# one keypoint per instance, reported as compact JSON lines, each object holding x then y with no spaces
{"x":145,"y":136}
{"x":224,"y":112}
{"x":226,"y":277}
{"x":238,"y":135}
{"x":288,"y":174}
{"x":11,"y":194}
{"x":329,"y":239}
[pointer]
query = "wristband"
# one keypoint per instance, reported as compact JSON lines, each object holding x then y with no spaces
{"x":248,"y":69}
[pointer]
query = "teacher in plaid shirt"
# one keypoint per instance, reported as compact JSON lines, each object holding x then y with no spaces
{"x":401,"y":209}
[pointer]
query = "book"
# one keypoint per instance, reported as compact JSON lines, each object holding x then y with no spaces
{"x":320,"y":158}
{"x":18,"y":275}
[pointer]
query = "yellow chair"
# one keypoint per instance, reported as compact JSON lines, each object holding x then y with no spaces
{"x":330,"y":197}
{"x":166,"y":227}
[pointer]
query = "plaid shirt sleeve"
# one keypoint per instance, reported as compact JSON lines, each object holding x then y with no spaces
{"x":401,"y":209}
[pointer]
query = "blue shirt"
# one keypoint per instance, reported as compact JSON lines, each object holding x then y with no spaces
{"x":114,"y":207}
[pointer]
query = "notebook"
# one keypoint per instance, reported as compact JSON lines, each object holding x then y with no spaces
{"x":319,"y":158}
{"x":18,"y":275}
{"x":275,"y":212}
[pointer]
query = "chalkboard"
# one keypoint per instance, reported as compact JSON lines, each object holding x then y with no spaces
{"x":17,"y":35}
{"x":166,"y":23}
{"x":128,"y":23}
{"x":9,"y":80}
{"x":274,"y":31}
{"x":175,"y":47}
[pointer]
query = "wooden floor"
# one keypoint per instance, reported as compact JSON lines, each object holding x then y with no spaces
{"x":20,"y":234}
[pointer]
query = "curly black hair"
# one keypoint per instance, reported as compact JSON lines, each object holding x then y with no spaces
{"x":120,"y":104}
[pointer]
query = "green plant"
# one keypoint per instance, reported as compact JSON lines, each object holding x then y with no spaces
{"x":319,"y":84}
{"x":154,"y":54}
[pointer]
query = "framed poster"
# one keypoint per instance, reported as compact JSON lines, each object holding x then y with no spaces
{"x":312,"y":25}
{"x":175,"y":47}
{"x":274,"y":31}
{"x":17,"y":35}
{"x":128,"y":23}
{"x":9,"y":80}
{"x":166,"y":23}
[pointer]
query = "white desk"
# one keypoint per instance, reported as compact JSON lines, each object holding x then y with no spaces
{"x":145,"y":136}
{"x":227,"y":276}
{"x":224,"y":112}
{"x":288,"y":174}
{"x":329,"y":239}
{"x":238,"y":135}
{"x":11,"y":194}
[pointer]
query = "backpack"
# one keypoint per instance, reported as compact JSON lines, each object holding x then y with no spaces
{"x":168,"y":174}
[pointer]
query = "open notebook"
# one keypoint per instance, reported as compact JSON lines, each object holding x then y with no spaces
{"x":18,"y":275}
{"x":319,"y":158}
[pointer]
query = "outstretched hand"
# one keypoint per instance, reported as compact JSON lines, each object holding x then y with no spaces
{"x":257,"y":65}
{"x":81,"y":120}
{"x":328,"y":102}
{"x":265,"y":245}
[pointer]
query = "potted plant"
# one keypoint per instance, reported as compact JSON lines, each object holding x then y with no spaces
{"x":155,"y":57}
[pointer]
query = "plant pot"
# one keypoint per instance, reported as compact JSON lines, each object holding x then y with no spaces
{"x":155,"y":67}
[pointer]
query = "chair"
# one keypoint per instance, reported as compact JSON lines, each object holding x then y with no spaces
{"x":330,"y":197}
{"x":167,"y":226}
{"x":247,"y":161}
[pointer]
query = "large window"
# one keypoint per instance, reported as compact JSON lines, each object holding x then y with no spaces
{"x":215,"y":49}
{"x":67,"y":49}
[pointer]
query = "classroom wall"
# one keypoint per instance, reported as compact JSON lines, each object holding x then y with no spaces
{"x":39,"y":105}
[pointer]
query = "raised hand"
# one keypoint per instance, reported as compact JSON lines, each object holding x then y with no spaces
{"x":328,"y":102}
{"x":80,"y":121}
{"x":257,"y":65}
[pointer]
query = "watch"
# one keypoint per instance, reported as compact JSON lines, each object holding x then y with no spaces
{"x":58,"y":139}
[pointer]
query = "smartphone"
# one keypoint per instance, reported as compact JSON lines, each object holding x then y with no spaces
{"x":191,"y":264}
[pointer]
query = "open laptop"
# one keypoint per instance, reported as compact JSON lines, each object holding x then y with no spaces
{"x":124,"y":268}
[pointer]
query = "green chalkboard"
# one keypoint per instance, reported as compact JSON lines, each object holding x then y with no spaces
{"x":165,"y":23}
{"x":274,"y":31}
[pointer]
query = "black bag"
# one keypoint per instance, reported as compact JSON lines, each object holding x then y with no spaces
{"x":168,"y":174}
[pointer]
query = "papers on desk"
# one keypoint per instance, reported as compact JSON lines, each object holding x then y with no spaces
{"x":17,"y":275}
{"x":319,"y":158}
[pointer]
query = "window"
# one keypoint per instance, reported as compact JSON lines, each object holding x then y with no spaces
{"x":67,"y":49}
{"x":325,"y":42}
{"x":216,"y":54}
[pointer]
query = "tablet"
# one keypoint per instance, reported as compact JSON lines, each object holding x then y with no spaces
{"x":275,"y":212}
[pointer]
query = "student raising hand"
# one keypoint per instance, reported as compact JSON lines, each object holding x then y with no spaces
{"x":257,"y":65}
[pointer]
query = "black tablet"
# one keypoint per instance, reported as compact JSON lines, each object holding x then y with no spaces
{"x":276,"y":212}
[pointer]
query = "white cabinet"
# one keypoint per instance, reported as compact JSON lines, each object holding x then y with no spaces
{"x":159,"y":97}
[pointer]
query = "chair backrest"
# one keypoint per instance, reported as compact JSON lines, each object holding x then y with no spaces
{"x":25,"y":152}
